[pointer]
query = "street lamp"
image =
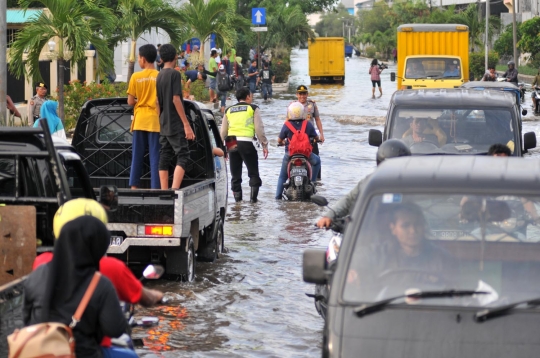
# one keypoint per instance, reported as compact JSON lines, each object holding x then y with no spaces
{"x":52,"y":45}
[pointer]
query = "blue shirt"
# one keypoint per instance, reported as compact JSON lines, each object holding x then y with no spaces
{"x":252,"y":70}
{"x":453,"y":73}
{"x":286,"y":132}
{"x":192,"y":75}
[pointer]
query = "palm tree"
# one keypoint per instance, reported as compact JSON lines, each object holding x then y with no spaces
{"x":218,"y":17}
{"x":75,"y":24}
{"x":139,"y":16}
{"x":287,"y":27}
{"x":469,"y":17}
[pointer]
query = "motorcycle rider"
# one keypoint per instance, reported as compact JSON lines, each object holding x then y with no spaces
{"x":511,"y":74}
{"x":535,"y":84}
{"x":391,"y":148}
{"x":296,"y":115}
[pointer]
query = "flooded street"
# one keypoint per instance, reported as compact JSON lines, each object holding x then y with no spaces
{"x":252,"y":302}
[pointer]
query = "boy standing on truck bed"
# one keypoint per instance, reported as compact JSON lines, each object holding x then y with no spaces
{"x":175,"y":130}
{"x":145,"y":124}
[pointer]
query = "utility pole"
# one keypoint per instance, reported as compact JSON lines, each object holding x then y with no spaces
{"x":488,"y":13}
{"x":514,"y":33}
{"x":3,"y":62}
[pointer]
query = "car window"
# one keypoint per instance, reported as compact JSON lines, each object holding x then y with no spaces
{"x":433,"y":68}
{"x":453,"y":130}
{"x":114,"y":127}
{"x":432,"y":242}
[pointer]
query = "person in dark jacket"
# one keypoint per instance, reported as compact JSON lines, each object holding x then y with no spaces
{"x":54,"y":290}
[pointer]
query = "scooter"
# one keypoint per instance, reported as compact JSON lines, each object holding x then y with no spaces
{"x":299,"y":186}
{"x":151,"y":272}
{"x":322,"y":292}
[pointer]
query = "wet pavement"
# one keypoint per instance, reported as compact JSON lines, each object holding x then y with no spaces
{"x":252,"y":303}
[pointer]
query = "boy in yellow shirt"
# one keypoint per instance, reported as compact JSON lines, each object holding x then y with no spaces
{"x":145,"y":125}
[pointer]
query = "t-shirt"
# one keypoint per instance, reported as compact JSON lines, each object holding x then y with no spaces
{"x":142,"y":86}
{"x":286,"y":132}
{"x":266,"y":76}
{"x":212,"y":66}
{"x":252,"y":69}
{"x":192,"y":75}
{"x":169,"y":84}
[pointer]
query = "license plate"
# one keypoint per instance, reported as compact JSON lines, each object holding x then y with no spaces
{"x":116,"y":240}
{"x":448,"y":234}
{"x":298,"y":171}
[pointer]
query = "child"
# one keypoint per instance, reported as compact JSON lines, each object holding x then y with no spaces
{"x":175,"y":130}
{"x":145,"y":125}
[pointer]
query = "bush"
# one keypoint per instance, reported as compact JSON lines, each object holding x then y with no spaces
{"x":76,"y":94}
{"x":371,"y":51}
{"x":477,"y":63}
{"x":282,"y":69}
{"x":199,"y":91}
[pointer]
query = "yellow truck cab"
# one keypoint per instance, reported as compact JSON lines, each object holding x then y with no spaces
{"x":432,"y":56}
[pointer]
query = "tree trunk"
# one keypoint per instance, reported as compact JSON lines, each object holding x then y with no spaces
{"x":131,"y":69}
{"x":60,"y":71}
{"x":131,"y":66}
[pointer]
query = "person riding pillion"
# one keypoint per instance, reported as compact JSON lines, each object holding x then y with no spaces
{"x":240,"y":124}
{"x":296,"y":122}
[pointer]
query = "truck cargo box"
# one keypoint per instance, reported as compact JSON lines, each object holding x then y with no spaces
{"x":327,"y":59}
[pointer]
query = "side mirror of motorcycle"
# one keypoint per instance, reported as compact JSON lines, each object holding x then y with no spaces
{"x":524,"y":112}
{"x":393,"y":76}
{"x":319,"y":200}
{"x":153,"y":272}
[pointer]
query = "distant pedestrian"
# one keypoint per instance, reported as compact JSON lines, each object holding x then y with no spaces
{"x":192,"y":76}
{"x":225,"y":61}
{"x":267,"y":77}
{"x":175,"y":130}
{"x":394,"y":54}
{"x":145,"y":125}
{"x":223,"y":86}
{"x":238,"y":73}
{"x":48,"y":113}
{"x":253,"y":72}
{"x":212,"y":67}
{"x":159,"y":62}
{"x":375,"y":72}
{"x":240,"y":124}
{"x":11,"y":107}
{"x":251,"y":54}
{"x":490,"y":75}
{"x":34,"y":105}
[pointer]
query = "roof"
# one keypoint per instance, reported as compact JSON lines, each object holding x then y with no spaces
{"x":458,"y":97}
{"x":488,"y":84}
{"x":455,"y":174}
{"x":18,"y":16}
{"x":432,"y":27}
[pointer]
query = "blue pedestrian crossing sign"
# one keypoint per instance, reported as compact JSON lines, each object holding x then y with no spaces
{"x":258,"y":16}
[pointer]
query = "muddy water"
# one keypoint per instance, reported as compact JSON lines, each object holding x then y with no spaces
{"x":252,"y":302}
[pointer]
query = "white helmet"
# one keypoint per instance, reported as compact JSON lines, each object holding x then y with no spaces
{"x":295,"y":111}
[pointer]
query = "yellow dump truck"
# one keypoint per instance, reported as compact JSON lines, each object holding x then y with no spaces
{"x":432,"y":56}
{"x":327,"y":59}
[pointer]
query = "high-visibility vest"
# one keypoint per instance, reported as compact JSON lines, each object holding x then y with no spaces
{"x":241,"y":121}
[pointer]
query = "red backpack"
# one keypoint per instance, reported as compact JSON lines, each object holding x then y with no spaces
{"x":299,"y":143}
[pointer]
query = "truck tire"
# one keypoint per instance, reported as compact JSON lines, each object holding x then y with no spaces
{"x":213,"y":248}
{"x":181,"y":262}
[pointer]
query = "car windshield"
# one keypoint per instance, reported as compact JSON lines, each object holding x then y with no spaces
{"x":414,"y":242}
{"x":433,"y":68}
{"x":453,"y":130}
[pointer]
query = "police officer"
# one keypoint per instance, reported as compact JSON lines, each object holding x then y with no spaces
{"x":240,"y":124}
{"x":312,"y":112}
{"x":34,"y":105}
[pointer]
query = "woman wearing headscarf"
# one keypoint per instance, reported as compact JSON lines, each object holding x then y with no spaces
{"x":54,"y":290}
{"x":48,"y":112}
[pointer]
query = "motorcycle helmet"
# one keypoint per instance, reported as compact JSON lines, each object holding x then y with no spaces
{"x":511,"y":63}
{"x":76,"y":208}
{"x":295,"y":111}
{"x":392,"y":148}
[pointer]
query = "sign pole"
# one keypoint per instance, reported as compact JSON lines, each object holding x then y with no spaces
{"x":259,"y":49}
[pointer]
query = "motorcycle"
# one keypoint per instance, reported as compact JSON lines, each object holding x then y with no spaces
{"x":151,"y":272}
{"x":298,"y":186}
{"x":322,"y":292}
{"x":536,"y":94}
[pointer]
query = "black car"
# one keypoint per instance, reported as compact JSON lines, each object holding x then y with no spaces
{"x":441,"y":259}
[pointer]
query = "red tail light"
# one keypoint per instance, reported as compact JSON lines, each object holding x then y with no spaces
{"x":298,"y":162}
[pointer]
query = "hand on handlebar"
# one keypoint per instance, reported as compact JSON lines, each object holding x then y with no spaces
{"x":324,"y":223}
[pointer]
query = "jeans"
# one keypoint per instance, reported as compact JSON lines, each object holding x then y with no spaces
{"x":283,"y":174}
{"x":223,"y":97}
{"x":252,"y":86}
{"x":116,"y":352}
{"x":267,"y":90}
{"x":245,"y":153}
{"x":142,"y":140}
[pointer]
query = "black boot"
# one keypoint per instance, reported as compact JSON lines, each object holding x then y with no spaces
{"x":254,"y":193}
{"x":237,"y":196}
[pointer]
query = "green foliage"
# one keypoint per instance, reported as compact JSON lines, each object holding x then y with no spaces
{"x":76,"y":94}
{"x":15,"y":3}
{"x":371,"y":51}
{"x":199,"y":91}
{"x":287,"y":27}
{"x":281,"y":65}
{"x":469,"y":17}
{"x":529,"y":36}
{"x":504,"y":45}
{"x":307,"y":6}
{"x":477,"y":63}
{"x":332,"y":23}
{"x":522,"y":70}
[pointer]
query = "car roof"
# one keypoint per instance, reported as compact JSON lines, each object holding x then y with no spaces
{"x":454,"y":174}
{"x":458,"y":97}
{"x":488,"y":85}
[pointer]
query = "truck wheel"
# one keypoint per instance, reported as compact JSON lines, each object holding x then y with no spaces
{"x":189,"y":261}
{"x":213,"y":248}
{"x":219,"y":239}
{"x":181,"y":262}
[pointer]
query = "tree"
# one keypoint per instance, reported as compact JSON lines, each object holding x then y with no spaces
{"x":140,"y":16}
{"x":287,"y":27}
{"x":331,"y":23}
{"x":75,"y":23}
{"x":529,"y":36}
{"x":504,"y":45}
{"x":469,"y":17}
{"x":218,"y":17}
{"x":384,"y":41}
{"x":306,"y":6}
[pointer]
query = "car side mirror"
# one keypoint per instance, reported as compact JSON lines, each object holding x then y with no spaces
{"x":375,"y":137}
{"x":314,"y":266}
{"x":108,"y":197}
{"x":393,"y":76}
{"x":524,"y":112}
{"x":529,"y":141}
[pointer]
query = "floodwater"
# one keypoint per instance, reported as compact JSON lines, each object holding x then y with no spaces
{"x":252,"y":302}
